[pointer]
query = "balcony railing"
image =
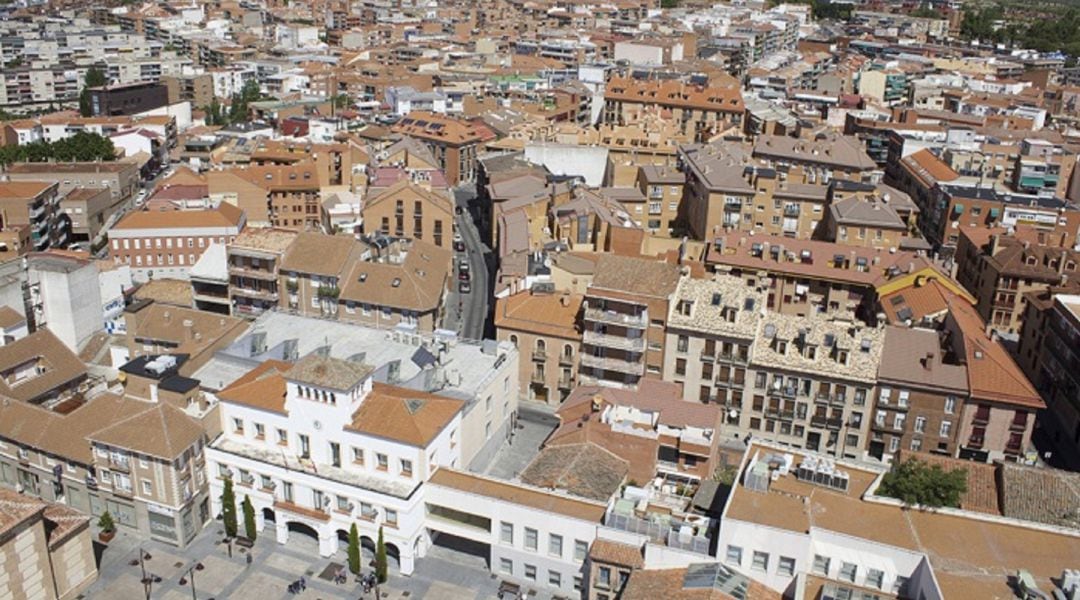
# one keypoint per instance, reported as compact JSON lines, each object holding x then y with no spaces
{"x":264,"y":274}
{"x":538,"y":377}
{"x":616,"y":318}
{"x":613,"y":364}
{"x":262,"y":294}
{"x":566,"y":383}
{"x":594,"y":338}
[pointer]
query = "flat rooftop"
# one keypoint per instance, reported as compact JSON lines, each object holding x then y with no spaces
{"x":468,"y":366}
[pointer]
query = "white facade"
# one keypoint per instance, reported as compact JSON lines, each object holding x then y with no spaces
{"x":67,"y":300}
{"x":328,"y":494}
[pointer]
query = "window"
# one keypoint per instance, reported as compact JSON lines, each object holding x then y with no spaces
{"x":506,"y":533}
{"x":265,"y":482}
{"x":875,"y":578}
{"x":335,"y":454}
{"x":579,"y":582}
{"x":946,"y":429}
{"x":530,"y":539}
{"x":358,"y":455}
{"x":760,"y":562}
{"x":506,"y":566}
{"x":305,"y":446}
{"x":902,"y":398}
{"x":899,"y":584}
{"x":898,"y":421}
{"x":734,"y":555}
{"x":682,"y":344}
{"x":920,"y":424}
{"x":238,"y":426}
{"x":260,"y":431}
{"x":786,"y":566}
{"x":581,"y":550}
{"x":282,"y":437}
{"x":530,"y":572}
{"x":554,"y":579}
{"x":381,"y":462}
{"x":848,"y":571}
{"x":391,"y":517}
{"x":146,"y":488}
{"x":555,"y":545}
{"x":343,"y":504}
{"x":406,"y":468}
{"x":821,"y":565}
{"x":950,"y":404}
{"x":883,"y":397}
{"x":603,"y":577}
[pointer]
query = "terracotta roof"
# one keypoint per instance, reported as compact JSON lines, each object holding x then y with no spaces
{"x":16,"y":509}
{"x":992,"y":373}
{"x":616,"y":553}
{"x":264,"y":239}
{"x":928,"y":167}
{"x":177,"y":292}
{"x":319,"y":254}
{"x":916,"y":302}
{"x":669,"y":584}
{"x":1041,"y":494}
{"x":546,"y":314}
{"x":982,"y":488}
{"x":63,"y":435}
{"x":263,"y":387}
{"x":164,"y":431}
{"x":830,"y":149}
{"x":9,"y":317}
{"x":675,"y":93}
{"x":518,"y":494}
{"x":904,"y":359}
{"x":23,"y":190}
{"x":443,"y":129}
{"x":56,"y":363}
{"x":584,"y":469}
{"x":652,"y":395}
{"x":225,"y":215}
{"x":418,"y":283}
{"x":643,"y":276}
{"x":438,"y":200}
{"x":408,"y":416}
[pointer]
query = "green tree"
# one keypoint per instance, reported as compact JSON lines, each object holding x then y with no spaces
{"x":914,"y":482}
{"x":94,"y":77}
{"x":83,"y":147}
{"x":341,"y":101}
{"x":354,"y":550}
{"x":249,"y":518}
{"x":380,"y":558}
{"x":228,"y":508}
{"x":105,"y":522}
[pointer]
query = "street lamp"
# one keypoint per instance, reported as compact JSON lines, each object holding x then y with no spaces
{"x":191,"y":575}
{"x":148,"y":579}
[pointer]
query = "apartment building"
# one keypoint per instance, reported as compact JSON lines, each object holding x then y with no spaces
{"x":46,"y":548}
{"x":864,"y":543}
{"x":37,"y":368}
{"x":829,"y":156}
{"x":711,"y":326}
{"x":35,"y":206}
{"x":453,"y":142}
{"x":139,"y":458}
{"x":152,"y":328}
{"x":806,"y":276}
{"x":999,"y":417}
{"x":88,"y":209}
{"x":282,"y":196}
{"x":545,"y":328}
{"x":406,"y":209}
{"x":872,"y":222}
{"x":1047,"y":352}
{"x":1000,"y":269}
{"x":703,"y":110}
{"x":254,"y":260}
{"x":168,"y":243}
{"x":663,"y":188}
{"x":313,"y":272}
{"x":401,"y":283}
{"x":625,"y":311}
{"x":121,"y":177}
{"x":728,"y":190}
{"x":922,"y":388}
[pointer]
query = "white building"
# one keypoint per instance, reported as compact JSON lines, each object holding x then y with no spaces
{"x":319,"y":446}
{"x":66,"y":295}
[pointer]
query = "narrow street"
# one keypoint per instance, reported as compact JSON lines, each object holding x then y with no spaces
{"x":467,"y":313}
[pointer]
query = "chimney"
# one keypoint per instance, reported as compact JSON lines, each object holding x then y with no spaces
{"x":928,"y":361}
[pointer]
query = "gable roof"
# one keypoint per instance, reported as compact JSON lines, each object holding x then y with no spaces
{"x":263,"y":387}
{"x":319,"y":254}
{"x":164,"y":431}
{"x":992,"y":373}
{"x":583,"y":469}
{"x":225,"y":215}
{"x":417,"y":284}
{"x":61,"y":365}
{"x":547,"y":314}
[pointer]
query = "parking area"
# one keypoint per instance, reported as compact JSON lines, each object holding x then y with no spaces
{"x":447,"y":572}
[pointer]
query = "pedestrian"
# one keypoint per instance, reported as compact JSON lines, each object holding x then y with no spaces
{"x":248,"y":559}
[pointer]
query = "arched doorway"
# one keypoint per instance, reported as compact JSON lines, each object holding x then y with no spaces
{"x":302,"y":528}
{"x":268,"y":515}
{"x":367,"y":550}
{"x":303,"y":537}
{"x":393,"y":557}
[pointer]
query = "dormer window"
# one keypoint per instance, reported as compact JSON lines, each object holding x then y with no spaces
{"x":841,"y":356}
{"x":684,"y":307}
{"x":811,"y":352}
{"x":781,"y":346}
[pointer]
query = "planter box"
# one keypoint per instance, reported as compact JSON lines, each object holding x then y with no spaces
{"x":244,"y":542}
{"x":106,"y":536}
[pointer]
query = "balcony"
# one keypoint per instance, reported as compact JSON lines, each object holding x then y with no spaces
{"x":263,"y":274}
{"x":818,"y":421}
{"x":261,"y":294}
{"x":120,"y":465}
{"x":981,"y":418}
{"x":1015,"y":425}
{"x":539,"y":355}
{"x":538,"y":377}
{"x":614,"y":341}
{"x":783,"y":415}
{"x":296,"y":509}
{"x":785,"y":392}
{"x":613,"y":364}
{"x":1013,"y":448}
{"x":566,"y":360}
{"x":611,"y":317}
{"x":566,"y":383}
{"x":791,"y":211}
{"x":834,"y":423}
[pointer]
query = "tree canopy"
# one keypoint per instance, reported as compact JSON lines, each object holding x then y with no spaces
{"x":81,"y":147}
{"x":914,"y":482}
{"x":95,"y":77}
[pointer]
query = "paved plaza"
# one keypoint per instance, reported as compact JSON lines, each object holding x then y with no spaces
{"x":443,"y":574}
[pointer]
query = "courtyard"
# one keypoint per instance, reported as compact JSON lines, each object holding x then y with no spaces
{"x":444,"y":574}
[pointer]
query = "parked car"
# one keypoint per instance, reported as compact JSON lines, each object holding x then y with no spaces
{"x":463,"y":271}
{"x":459,"y":244}
{"x":464,"y":287}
